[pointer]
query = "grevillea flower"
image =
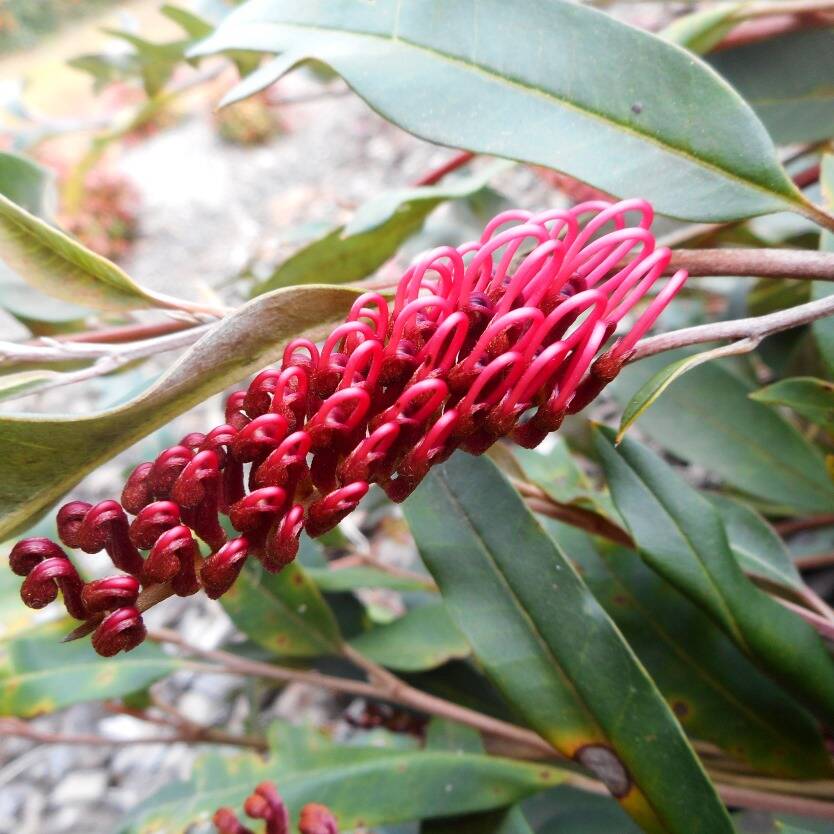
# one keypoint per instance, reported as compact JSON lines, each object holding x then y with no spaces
{"x":501,"y":337}
{"x":266,"y":804}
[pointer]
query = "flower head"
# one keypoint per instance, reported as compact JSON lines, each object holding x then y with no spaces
{"x":501,"y":337}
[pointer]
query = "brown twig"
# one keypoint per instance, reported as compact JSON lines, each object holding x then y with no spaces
{"x":799,"y":525}
{"x":540,"y":502}
{"x":16,"y":727}
{"x":758,"y":263}
{"x":814,"y":561}
{"x":126,"y":333}
{"x":750,"y":328}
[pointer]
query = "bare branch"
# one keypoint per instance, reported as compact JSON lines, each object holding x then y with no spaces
{"x":759,"y":263}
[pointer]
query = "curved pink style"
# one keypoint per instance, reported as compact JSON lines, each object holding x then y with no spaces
{"x":501,"y":337}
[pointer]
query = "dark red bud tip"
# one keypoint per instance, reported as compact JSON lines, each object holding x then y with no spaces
{"x":120,"y":631}
{"x":282,"y":541}
{"x":317,"y":819}
{"x":41,"y":585}
{"x":221,"y":569}
{"x":69,"y":520}
{"x":173,"y":548}
{"x":257,"y":508}
{"x":226,"y":822}
{"x":266,"y":804}
{"x":107,"y":594}
{"x":152,"y":521}
{"x":327,"y":512}
{"x":137,"y":492}
{"x":29,"y":552}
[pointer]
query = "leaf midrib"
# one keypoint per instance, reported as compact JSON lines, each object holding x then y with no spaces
{"x":674,"y":150}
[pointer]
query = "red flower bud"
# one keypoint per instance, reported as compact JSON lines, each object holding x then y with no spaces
{"x":138,"y":492}
{"x":105,"y":527}
{"x":44,"y":581}
{"x":29,"y":552}
{"x":69,"y":520}
{"x":152,"y":521}
{"x":120,"y":631}
{"x":110,"y":593}
{"x":266,"y":804}
{"x":317,"y":819}
{"x":226,"y":822}
{"x":219,"y":572}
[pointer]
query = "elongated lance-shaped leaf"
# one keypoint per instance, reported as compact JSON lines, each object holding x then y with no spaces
{"x":716,"y":693}
{"x":54,"y":263}
{"x":680,"y":535}
{"x":552,"y":650}
{"x":364,"y":786}
{"x":41,"y":457}
{"x":551,"y":83}
{"x":810,"y":397}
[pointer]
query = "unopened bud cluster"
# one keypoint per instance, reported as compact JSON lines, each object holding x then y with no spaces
{"x":501,"y":337}
{"x":266,"y":804}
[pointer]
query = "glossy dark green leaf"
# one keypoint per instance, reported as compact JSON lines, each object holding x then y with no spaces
{"x":681,"y":536}
{"x":530,"y":81}
{"x":283,"y":612}
{"x":364,"y":786}
{"x":709,"y":419}
{"x":550,"y":647}
{"x":40,"y":674}
{"x":351,"y":253}
{"x":823,"y":329}
{"x":788,"y":80}
{"x":755,"y":544}
{"x":812,"y":398}
{"x":41,"y":457}
{"x":716,"y":693}
{"x":423,"y":638}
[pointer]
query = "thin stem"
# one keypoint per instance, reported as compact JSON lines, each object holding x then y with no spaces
{"x":51,"y":350}
{"x":814,"y":561}
{"x":126,"y":333}
{"x":759,"y":263}
{"x":194,"y":734}
{"x":436,"y":174}
{"x":540,"y":502}
{"x":383,"y":686}
{"x":799,"y":525}
{"x":749,"y":328}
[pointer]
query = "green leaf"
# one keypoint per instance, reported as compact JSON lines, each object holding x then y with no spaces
{"x":26,"y":183}
{"x":363,"y":786}
{"x":352,"y":579}
{"x":424,"y":638}
{"x":755,"y":544}
{"x":283,"y":612}
{"x":41,"y":457}
{"x":529,"y":81}
{"x":551,"y":649}
{"x":350,"y":253}
{"x":812,"y":398}
{"x":700,"y":31}
{"x":650,"y":392}
{"x":157,"y":61}
{"x":823,"y":330}
{"x":193,"y":25}
{"x":54,"y":263}
{"x":716,"y":693}
{"x":565,"y":810}
{"x":680,"y":535}
{"x":788,"y":82}
{"x":711,"y":421}
{"x":40,"y":674}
